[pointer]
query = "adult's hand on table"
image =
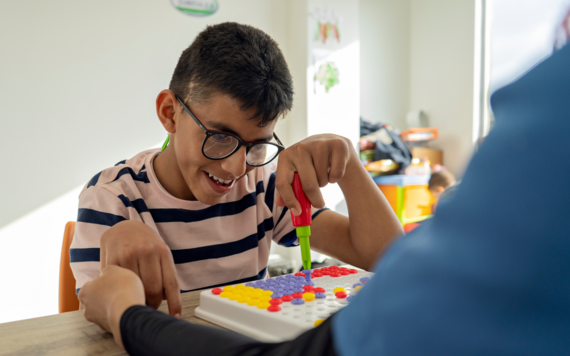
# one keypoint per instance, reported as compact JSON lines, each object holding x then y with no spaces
{"x":319,"y":160}
{"x":108,"y":296}
{"x":135,"y":246}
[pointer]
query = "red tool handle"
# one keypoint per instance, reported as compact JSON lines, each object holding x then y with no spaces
{"x":305,"y":218}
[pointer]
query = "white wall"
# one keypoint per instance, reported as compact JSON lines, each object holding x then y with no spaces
{"x":29,"y":259}
{"x":77,"y":93}
{"x":419,"y":54}
{"x":442,"y":60}
{"x":385,"y":60}
{"x":523,"y":34}
{"x":296,"y":53}
{"x":79,"y":81}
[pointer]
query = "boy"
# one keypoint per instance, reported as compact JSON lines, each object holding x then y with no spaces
{"x":204,"y":211}
{"x":438,"y":183}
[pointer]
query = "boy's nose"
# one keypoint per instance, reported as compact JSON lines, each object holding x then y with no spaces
{"x":236,"y":163}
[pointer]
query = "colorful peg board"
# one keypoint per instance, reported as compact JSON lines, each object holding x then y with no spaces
{"x":281,"y":308}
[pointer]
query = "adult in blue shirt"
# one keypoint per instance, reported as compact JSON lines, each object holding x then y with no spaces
{"x":488,"y":275}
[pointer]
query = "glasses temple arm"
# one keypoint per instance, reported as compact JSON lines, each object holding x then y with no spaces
{"x":278,"y":140}
{"x":191,"y":114}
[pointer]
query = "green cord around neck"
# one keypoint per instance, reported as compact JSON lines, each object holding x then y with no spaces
{"x":165,"y":142}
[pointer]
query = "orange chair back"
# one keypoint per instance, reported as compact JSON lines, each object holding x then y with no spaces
{"x":67,"y":299}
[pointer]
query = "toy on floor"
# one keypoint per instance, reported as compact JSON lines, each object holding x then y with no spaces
{"x":280,"y":308}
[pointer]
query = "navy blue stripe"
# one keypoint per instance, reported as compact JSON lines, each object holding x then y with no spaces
{"x":77,"y":291}
{"x":266,"y":225}
{"x":182,"y":256}
{"x":223,"y":250}
{"x":215,"y":251}
{"x":94,"y":180}
{"x":218,"y":210}
{"x":125,"y":200}
{"x":142,"y":169}
{"x":282,"y":215}
{"x":83,"y":255}
{"x":98,"y":217}
{"x":288,"y":239}
{"x":141,"y":177}
{"x":121,"y":162}
{"x":270,"y":193}
{"x":138,"y":204}
{"x":260,"y":275}
{"x":318,"y":212}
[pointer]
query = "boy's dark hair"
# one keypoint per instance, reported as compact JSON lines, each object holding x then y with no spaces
{"x":238,"y":60}
{"x":441,"y":179}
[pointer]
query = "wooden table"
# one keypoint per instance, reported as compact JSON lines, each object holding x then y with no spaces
{"x":70,"y":334}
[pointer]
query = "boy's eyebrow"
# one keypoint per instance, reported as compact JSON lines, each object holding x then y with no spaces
{"x":221,"y":127}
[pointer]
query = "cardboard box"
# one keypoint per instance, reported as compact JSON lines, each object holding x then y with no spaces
{"x":434,"y":156}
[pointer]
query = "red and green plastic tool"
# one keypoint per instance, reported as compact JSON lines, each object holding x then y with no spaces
{"x":303,"y":222}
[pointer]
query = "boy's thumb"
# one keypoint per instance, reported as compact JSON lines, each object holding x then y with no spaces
{"x":279,"y":201}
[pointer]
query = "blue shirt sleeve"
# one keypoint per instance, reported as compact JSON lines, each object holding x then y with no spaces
{"x":490,"y":273}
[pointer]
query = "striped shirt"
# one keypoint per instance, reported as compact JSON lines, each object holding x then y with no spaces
{"x":211,"y":244}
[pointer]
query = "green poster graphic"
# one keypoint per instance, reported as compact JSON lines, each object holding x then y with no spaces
{"x":198,"y":8}
{"x":327,"y":75}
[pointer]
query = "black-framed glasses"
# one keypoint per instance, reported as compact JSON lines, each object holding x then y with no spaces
{"x":219,"y":145}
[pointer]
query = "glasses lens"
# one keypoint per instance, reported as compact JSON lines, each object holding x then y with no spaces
{"x":261,"y":153}
{"x":219,"y":145}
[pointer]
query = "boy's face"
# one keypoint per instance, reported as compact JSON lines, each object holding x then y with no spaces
{"x":222,"y":113}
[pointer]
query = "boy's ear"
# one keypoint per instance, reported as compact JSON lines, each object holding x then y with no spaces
{"x":439,"y":189}
{"x":165,"y":109}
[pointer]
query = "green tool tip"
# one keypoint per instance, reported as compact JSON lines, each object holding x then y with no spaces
{"x":303,"y":233}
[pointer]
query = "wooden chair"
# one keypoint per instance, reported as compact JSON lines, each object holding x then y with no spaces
{"x":67,"y":299}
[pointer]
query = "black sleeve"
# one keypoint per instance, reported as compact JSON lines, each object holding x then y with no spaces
{"x":145,"y":331}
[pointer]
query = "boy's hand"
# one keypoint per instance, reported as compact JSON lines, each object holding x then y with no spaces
{"x":135,"y":246}
{"x":106,"y":298}
{"x":319,"y":160}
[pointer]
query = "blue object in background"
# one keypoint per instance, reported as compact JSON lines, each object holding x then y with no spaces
{"x":402,"y":179}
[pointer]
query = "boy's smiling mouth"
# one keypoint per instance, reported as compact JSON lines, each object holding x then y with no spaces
{"x":220,"y":181}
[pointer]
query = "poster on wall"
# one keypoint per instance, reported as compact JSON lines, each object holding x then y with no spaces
{"x":333,"y":77}
{"x":326,"y":73}
{"x":328,"y":23}
{"x":326,"y":76}
{"x":197,"y":8}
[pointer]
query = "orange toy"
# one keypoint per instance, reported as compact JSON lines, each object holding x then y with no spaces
{"x":408,"y":196}
{"x":67,"y":299}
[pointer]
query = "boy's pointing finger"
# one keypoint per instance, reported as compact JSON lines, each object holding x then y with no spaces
{"x":171,"y":288}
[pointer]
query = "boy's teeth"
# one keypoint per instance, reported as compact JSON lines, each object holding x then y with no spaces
{"x":220,"y":180}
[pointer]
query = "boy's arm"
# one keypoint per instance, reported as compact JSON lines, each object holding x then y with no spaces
{"x":98,"y":210}
{"x":110,"y":233}
{"x":372,"y":225}
{"x":369,"y":229}
{"x":115,"y":300}
{"x":135,"y":246}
